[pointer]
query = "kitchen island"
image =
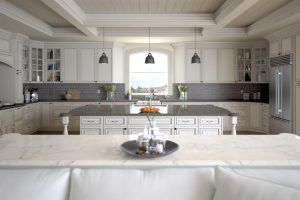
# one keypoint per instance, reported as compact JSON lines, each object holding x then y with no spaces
{"x":104,"y":151}
{"x":171,"y":119}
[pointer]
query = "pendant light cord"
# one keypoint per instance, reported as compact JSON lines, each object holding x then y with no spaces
{"x":103,"y":39}
{"x":195,"y":38}
{"x":149,"y":39}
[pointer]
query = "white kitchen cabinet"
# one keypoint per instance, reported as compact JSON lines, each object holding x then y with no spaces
{"x":186,"y":131}
{"x":227,"y":122}
{"x":265,"y":118}
{"x":46,"y":121}
{"x":227,"y":72}
{"x":115,"y":131}
{"x":87,"y":65}
{"x":192,"y":71}
{"x":283,"y":46}
{"x":115,"y":121}
{"x":210,"y":131}
{"x":70,"y":65}
{"x":18,"y":119}
{"x":243,"y":115}
{"x":256,"y":116}
{"x":297,"y":57}
{"x":104,"y":70}
{"x":210,"y":71}
{"x":31,"y":118}
{"x":91,"y":131}
{"x":37,"y":64}
{"x":7,"y":122}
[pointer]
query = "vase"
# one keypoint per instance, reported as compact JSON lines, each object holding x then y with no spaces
{"x":110,"y":95}
{"x":183,"y":96}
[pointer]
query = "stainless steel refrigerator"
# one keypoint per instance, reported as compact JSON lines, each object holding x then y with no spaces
{"x":280,"y":91}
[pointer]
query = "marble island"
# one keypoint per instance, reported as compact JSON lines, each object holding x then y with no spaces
{"x":104,"y":151}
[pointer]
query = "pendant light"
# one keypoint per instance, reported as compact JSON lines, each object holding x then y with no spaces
{"x":195,"y":58}
{"x":149,"y":59}
{"x":103,"y":58}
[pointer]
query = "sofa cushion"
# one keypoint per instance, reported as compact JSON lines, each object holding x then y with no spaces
{"x":234,"y":186}
{"x":121,"y":184}
{"x":34,"y":184}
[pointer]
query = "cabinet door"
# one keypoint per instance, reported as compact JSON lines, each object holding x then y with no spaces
{"x":114,"y":131}
{"x":227,"y":65}
{"x":298,"y":57}
{"x":256,"y":116}
{"x":274,"y":48}
{"x":8,"y":121}
{"x":210,"y":131}
{"x":87,"y":65}
{"x":104,"y":70}
{"x":210,"y":65}
{"x":192,"y":71}
{"x":297,"y":120}
{"x":46,"y":116}
{"x":90,"y":131}
{"x":186,"y":131}
{"x":70,"y":65}
{"x":286,"y":45}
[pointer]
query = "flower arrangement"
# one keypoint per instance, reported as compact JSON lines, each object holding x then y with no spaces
{"x":110,"y":88}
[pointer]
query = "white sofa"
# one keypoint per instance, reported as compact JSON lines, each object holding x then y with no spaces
{"x":194,"y":183}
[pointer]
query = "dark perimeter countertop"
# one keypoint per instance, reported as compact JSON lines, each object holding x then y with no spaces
{"x":170,"y":110}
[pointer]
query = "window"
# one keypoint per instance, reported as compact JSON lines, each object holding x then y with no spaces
{"x":145,"y":77}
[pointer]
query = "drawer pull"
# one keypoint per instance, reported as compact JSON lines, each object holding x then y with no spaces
{"x":114,"y":121}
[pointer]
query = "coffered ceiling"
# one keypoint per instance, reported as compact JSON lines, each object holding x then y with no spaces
{"x":127,"y":20}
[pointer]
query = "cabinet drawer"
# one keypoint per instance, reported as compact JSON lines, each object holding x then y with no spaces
{"x":91,"y":120}
{"x":186,"y":121}
{"x":90,"y":131}
{"x":186,"y":131}
{"x":115,"y":120}
{"x":141,"y":121}
{"x":28,"y":128}
{"x":210,"y":131}
{"x":18,"y":127}
{"x":115,"y":131}
{"x":135,"y":131}
{"x":28,"y":108}
{"x":210,"y":121}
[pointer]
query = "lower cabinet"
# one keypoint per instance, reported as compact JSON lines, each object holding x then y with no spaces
{"x":18,"y":119}
{"x":210,"y":131}
{"x":91,"y":131}
{"x":259,"y":117}
{"x":7,"y":121}
{"x":297,"y":110}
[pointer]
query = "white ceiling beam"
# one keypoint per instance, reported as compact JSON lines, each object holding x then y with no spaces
{"x":232,"y":33}
{"x":69,"y":10}
{"x":231,"y":10}
{"x":149,"y":20}
{"x":12,"y":11}
{"x":289,"y":12}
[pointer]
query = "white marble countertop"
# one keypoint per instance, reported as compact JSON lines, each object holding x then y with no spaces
{"x":104,"y":151}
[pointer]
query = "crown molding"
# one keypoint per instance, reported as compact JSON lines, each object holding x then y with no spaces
{"x":232,"y":32}
{"x":286,"y":32}
{"x":12,"y":11}
{"x":69,"y":10}
{"x":67,"y":32}
{"x":148,"y":20}
{"x":289,"y":10}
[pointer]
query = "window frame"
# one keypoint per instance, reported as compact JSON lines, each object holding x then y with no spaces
{"x":156,"y":50}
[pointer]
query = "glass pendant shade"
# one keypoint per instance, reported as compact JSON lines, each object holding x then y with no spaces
{"x":195,"y":58}
{"x":149,"y":59}
{"x":103,"y":58}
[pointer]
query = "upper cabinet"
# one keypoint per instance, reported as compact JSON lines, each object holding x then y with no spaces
{"x":227,"y":65}
{"x":244,"y":64}
{"x":70,"y":64}
{"x":37,"y":63}
{"x":87,"y":63}
{"x":279,"y":47}
{"x":210,"y":65}
{"x":53,"y":65}
{"x":261,"y":64}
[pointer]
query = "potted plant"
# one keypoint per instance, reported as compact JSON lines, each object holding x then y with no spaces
{"x":183,"y":89}
{"x":110,"y":89}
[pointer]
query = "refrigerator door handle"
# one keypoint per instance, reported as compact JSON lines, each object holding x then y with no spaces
{"x":279,"y":92}
{"x":276,"y":91}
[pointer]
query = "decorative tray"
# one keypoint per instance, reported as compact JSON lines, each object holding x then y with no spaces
{"x":149,"y":110}
{"x":131,"y":148}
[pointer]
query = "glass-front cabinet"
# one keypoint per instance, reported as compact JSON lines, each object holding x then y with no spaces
{"x":261,"y":64}
{"x":36,"y":64}
{"x":244,"y":64}
{"x":53,"y":65}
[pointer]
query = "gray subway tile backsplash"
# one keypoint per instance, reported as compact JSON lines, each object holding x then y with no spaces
{"x":201,"y":91}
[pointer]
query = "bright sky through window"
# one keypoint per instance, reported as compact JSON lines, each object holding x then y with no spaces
{"x":144,"y":77}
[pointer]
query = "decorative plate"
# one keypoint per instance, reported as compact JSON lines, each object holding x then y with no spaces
{"x":131,"y":148}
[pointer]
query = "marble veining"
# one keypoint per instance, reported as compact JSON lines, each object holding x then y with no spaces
{"x":104,"y":151}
